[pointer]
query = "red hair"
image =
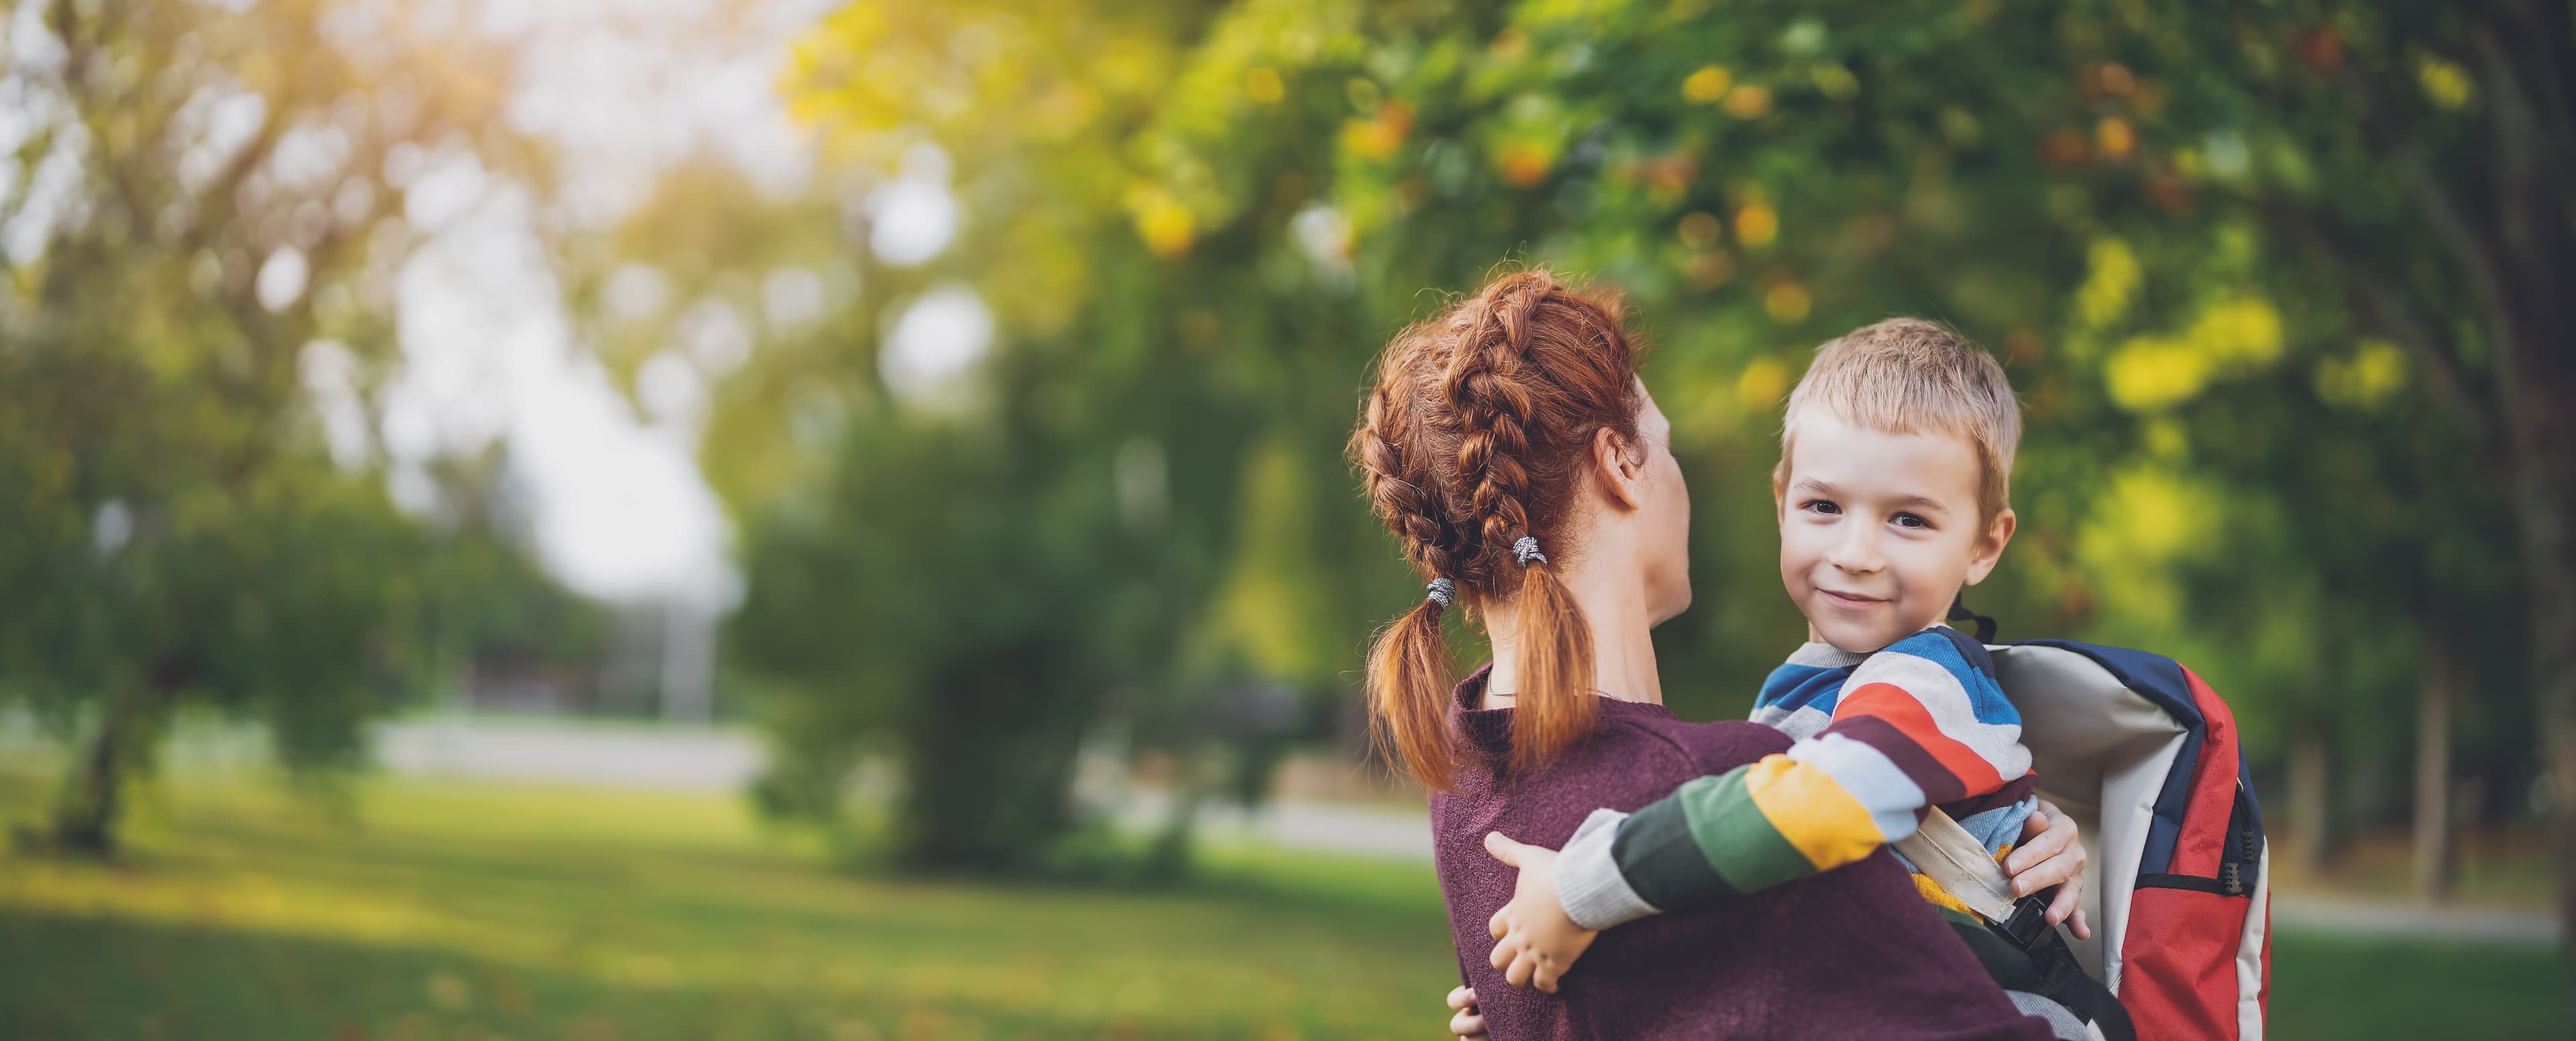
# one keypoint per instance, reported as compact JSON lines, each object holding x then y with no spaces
{"x":1474,"y":434}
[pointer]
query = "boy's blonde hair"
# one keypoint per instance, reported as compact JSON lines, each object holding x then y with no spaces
{"x":1910,"y":376}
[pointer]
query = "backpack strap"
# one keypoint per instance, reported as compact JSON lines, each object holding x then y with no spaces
{"x":1945,"y":853}
{"x":1959,"y":613}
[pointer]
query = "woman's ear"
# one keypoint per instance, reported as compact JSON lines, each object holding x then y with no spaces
{"x":1621,"y":473}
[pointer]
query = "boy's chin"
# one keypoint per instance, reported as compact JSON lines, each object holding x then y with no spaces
{"x":1858,"y":639}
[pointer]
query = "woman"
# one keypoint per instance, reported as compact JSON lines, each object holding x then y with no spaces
{"x":1528,"y":476}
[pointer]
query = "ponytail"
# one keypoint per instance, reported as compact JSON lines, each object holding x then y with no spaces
{"x":1554,"y":706}
{"x":1408,"y":695}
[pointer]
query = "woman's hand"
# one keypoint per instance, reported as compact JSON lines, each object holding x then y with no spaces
{"x":1467,"y":1023}
{"x":1537,"y":941}
{"x":2050,"y":855}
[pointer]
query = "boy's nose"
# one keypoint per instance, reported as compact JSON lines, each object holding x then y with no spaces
{"x":1856,"y":551}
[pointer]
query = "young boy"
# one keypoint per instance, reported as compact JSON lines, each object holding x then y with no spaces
{"x":1895,"y":455}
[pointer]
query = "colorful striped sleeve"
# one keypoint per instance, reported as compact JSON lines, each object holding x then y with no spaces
{"x":1919,"y":724}
{"x":1798,"y":697}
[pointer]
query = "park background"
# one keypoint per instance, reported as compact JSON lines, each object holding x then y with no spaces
{"x":606,"y":519}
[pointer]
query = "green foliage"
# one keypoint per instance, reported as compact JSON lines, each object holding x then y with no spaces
{"x":978,"y":589}
{"x":208,"y":204}
{"x":927,"y":598}
{"x":2153,"y":212}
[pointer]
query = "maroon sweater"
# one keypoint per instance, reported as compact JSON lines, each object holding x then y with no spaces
{"x":1854,"y":952}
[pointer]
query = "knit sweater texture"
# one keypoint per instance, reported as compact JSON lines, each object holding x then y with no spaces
{"x":1848,"y":953}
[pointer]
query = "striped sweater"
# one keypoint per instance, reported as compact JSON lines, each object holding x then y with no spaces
{"x":1879,"y":738}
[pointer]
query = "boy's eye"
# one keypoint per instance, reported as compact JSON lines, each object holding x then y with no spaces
{"x":1827,"y":507}
{"x":1910,"y":520}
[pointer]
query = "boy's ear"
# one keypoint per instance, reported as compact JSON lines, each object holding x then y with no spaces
{"x":1990,"y":546}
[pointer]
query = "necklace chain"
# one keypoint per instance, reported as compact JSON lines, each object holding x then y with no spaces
{"x":1491,"y":693}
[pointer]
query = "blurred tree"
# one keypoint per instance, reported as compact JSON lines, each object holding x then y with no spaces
{"x":2452,"y":125}
{"x":979,"y":575}
{"x":756,"y":295}
{"x":201,"y":214}
{"x":494,"y":612}
{"x":946,"y":592}
{"x":1100,"y":511}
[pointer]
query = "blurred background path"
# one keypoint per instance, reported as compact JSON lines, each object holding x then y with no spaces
{"x":605,"y":754}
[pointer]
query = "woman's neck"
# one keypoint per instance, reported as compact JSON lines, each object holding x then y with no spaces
{"x":1623,"y":647}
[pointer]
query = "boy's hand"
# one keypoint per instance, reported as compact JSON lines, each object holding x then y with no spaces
{"x":2050,"y":855}
{"x":1538,"y":942}
{"x":1467,"y":1023}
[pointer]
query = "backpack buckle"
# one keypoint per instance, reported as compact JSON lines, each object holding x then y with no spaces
{"x":2028,"y":927}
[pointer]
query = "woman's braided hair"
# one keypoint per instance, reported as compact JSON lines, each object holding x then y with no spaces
{"x":1471,"y":438}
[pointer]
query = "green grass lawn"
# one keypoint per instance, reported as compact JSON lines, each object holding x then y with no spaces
{"x":457,"y":911}
{"x":452,"y":911}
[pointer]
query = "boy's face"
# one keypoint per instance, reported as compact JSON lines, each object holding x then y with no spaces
{"x":1878,"y":531}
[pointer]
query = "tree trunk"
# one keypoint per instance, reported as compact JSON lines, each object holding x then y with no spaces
{"x":2308,"y":800}
{"x":2441,"y":674}
{"x":85,"y":820}
{"x":2537,"y":388}
{"x":2545,"y":485}
{"x":1169,"y":857}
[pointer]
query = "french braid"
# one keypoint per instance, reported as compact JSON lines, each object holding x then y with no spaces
{"x":1410,"y":659}
{"x":1469,"y":440}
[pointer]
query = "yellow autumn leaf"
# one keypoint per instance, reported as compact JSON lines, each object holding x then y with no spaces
{"x":1787,"y":303}
{"x":1762,"y":383}
{"x":2150,"y":373}
{"x":1263,"y":85}
{"x":1708,"y":85}
{"x":1756,"y":224}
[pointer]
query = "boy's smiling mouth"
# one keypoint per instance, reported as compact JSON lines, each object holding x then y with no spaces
{"x":1850,"y":601}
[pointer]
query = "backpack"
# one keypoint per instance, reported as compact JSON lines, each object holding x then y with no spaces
{"x":2145,"y":758}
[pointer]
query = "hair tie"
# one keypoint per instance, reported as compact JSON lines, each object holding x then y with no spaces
{"x":1441,"y":591}
{"x":1525,"y":550}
